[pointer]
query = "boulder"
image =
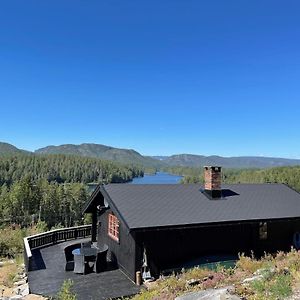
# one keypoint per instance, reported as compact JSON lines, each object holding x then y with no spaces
{"x":250,"y":279}
{"x":20,"y":282}
{"x":193,"y":282}
{"x":22,"y":290}
{"x":263,"y":271}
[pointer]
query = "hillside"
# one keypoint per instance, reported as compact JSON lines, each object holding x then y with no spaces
{"x":191,"y":160}
{"x":127,"y":156}
{"x":130,"y":156}
{"x":7,"y":149}
{"x":271,"y":277}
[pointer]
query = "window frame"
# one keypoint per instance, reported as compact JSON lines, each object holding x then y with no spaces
{"x":113,"y":227}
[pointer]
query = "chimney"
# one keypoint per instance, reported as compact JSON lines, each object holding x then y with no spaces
{"x":212,"y":181}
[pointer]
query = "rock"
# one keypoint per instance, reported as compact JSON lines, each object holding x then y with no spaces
{"x":210,"y":294}
{"x":250,"y":279}
{"x":34,"y":297}
{"x":208,"y":277}
{"x":264,"y":271}
{"x":16,"y":297}
{"x":20,"y":282}
{"x":286,"y":271}
{"x":22,"y":290}
{"x":18,"y":277}
{"x":192,"y":282}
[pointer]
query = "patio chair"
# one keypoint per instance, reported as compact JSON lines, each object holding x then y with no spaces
{"x":70,"y":257}
{"x":69,"y":266}
{"x":79,"y":266}
{"x":101,"y":262}
{"x":89,"y":264}
{"x":86,"y":245}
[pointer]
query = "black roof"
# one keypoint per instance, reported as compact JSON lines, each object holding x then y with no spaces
{"x":157,"y":205}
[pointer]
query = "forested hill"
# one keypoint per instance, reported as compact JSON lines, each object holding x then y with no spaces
{"x":52,"y":188}
{"x":190,"y":160}
{"x":64,"y":169}
{"x":127,"y":156}
{"x":286,"y":175}
{"x":7,"y":149}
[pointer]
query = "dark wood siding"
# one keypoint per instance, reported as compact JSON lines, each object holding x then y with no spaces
{"x":122,"y":252}
{"x":166,"y":248}
{"x":280,"y":236}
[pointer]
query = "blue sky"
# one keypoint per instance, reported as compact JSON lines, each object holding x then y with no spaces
{"x":162,"y":77}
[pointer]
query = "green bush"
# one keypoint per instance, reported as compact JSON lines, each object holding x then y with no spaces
{"x":11,"y":242}
{"x":65,"y":292}
{"x":278,"y":287}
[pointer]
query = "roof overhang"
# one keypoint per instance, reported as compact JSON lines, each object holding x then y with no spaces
{"x":212,"y":224}
{"x":90,"y":205}
{"x":95,"y":200}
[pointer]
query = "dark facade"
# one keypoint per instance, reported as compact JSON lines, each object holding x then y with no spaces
{"x":169,"y":247}
{"x":179,"y":223}
{"x":121,"y":252}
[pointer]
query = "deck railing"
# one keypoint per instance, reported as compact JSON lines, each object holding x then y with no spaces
{"x":53,"y":237}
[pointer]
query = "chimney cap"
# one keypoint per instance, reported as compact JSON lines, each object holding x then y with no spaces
{"x":212,"y":167}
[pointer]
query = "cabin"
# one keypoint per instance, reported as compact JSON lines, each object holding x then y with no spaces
{"x":152,"y":228}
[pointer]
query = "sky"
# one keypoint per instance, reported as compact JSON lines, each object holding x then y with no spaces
{"x":161,"y":77}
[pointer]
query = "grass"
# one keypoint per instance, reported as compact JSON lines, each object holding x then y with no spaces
{"x":7,"y":273}
{"x":280,"y":274}
{"x":11,"y":257}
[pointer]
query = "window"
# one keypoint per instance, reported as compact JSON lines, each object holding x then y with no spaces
{"x":113,"y":227}
{"x":263,"y":230}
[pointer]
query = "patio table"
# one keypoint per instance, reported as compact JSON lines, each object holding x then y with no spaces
{"x":83,"y":256}
{"x":85,"y":251}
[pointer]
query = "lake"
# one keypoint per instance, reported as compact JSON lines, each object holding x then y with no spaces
{"x":158,"y":178}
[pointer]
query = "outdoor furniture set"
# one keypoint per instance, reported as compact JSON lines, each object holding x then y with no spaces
{"x":85,"y":258}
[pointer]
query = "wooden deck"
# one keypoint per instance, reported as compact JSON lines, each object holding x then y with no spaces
{"x":49,"y":273}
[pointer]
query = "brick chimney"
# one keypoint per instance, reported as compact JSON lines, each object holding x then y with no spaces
{"x":212,"y":181}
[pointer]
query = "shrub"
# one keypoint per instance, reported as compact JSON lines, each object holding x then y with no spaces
{"x":65,"y":292}
{"x":248,"y":264}
{"x":279,"y":287}
{"x":11,"y":242}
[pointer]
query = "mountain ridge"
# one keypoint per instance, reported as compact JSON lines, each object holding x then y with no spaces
{"x":131,"y":156}
{"x":128,"y":156}
{"x":194,"y":160}
{"x":6,"y":149}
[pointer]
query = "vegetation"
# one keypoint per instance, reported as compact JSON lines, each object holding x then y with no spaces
{"x":51,"y":188}
{"x":286,"y":175}
{"x":198,"y":161}
{"x":11,"y":239}
{"x":8,"y":270}
{"x":129,"y":156}
{"x":65,"y":292}
{"x":8,"y":149}
{"x":42,"y":192}
{"x":272,"y":277}
{"x":27,"y":201}
{"x":125,"y":156}
{"x":64,"y":169}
